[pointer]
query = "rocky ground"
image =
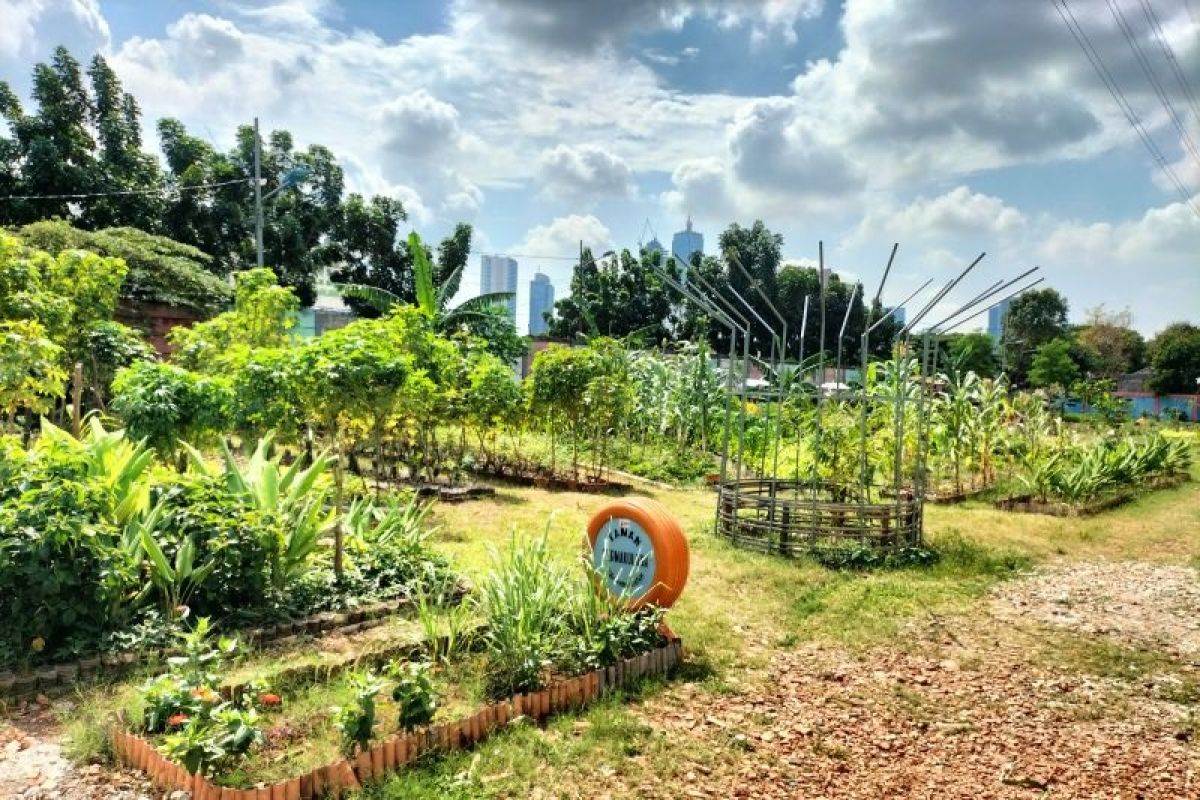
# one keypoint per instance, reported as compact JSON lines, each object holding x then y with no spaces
{"x":1136,"y":603}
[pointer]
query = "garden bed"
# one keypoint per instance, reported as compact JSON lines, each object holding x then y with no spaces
{"x":553,"y":482}
{"x":1028,"y":504}
{"x":50,"y":679}
{"x":455,"y":729}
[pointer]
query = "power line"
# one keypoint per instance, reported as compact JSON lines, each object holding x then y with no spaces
{"x":1093,"y":56}
{"x":125,"y":192}
{"x":1169,"y":54}
{"x":1155,"y":83}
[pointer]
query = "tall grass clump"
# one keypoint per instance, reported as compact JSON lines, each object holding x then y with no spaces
{"x":524,"y":601}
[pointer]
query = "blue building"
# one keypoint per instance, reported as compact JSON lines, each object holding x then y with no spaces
{"x":499,"y":274}
{"x":684,"y":244}
{"x":996,"y":316}
{"x":541,"y":301}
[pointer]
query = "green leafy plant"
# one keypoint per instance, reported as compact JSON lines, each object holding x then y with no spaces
{"x":357,"y":722}
{"x":413,"y":693}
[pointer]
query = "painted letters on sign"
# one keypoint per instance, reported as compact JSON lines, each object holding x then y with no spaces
{"x":624,"y":556}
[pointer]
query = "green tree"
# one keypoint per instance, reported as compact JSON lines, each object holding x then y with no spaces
{"x":618,"y":295}
{"x":31,"y":372}
{"x":1052,"y":365}
{"x":263,"y":315}
{"x":973,"y":352}
{"x":1175,"y":359}
{"x":1033,"y":319}
{"x":759,"y":252}
{"x":83,"y":137}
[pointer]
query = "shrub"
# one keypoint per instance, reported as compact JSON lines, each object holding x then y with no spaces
{"x":163,"y":404}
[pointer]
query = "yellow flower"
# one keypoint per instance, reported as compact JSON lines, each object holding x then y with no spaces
{"x":38,"y":644}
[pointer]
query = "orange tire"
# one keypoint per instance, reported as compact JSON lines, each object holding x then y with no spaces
{"x":639,"y":550}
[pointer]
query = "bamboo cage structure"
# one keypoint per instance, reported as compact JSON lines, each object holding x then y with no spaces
{"x":758,"y":507}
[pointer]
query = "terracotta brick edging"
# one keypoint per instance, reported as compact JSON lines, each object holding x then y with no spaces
{"x":336,"y":779}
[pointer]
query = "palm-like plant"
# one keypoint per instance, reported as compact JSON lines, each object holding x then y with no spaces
{"x":431,"y":299}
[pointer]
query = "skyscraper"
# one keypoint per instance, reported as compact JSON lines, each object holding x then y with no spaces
{"x":996,"y":321}
{"x":541,"y":299}
{"x":684,"y":244}
{"x":499,"y":274}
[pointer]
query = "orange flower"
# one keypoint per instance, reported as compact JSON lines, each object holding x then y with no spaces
{"x":269,"y":699}
{"x":177,"y":720}
{"x":205,"y":694}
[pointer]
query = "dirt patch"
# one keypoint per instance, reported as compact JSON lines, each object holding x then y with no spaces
{"x":33,"y":766}
{"x":900,"y":725}
{"x":1144,"y":605}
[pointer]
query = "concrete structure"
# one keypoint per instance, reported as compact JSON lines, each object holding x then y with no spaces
{"x":329,"y":310}
{"x":499,"y":274}
{"x":685,"y":243}
{"x":995,"y":326}
{"x":541,"y":301}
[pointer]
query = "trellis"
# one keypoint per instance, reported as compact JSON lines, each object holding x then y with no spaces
{"x":760,"y":509}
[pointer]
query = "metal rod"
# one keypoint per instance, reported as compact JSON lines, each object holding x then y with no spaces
{"x":999,"y":286}
{"x":937,"y":298}
{"x":842,"y":333}
{"x":993,"y":305}
{"x":891,"y":311}
{"x":258,"y":198}
{"x":886,"y":270}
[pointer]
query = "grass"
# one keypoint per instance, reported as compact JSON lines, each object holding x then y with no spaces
{"x":741,"y":608}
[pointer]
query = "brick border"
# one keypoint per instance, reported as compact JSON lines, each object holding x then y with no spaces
{"x":334,"y":780}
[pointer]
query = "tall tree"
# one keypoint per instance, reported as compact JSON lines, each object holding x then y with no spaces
{"x":758,"y":251}
{"x":1052,"y":365}
{"x":1175,"y":359}
{"x":974,"y":352}
{"x":1113,"y":346}
{"x":1033,"y":319}
{"x":618,"y":295}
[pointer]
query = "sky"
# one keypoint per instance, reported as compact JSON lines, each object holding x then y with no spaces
{"x":952,"y":128}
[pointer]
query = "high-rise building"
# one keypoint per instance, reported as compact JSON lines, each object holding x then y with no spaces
{"x":499,"y":274}
{"x":684,"y":244}
{"x":653,"y":246}
{"x":900,"y":315}
{"x":996,"y":316}
{"x":541,"y":300}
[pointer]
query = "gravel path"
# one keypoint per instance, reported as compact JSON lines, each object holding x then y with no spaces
{"x":1133,"y":602}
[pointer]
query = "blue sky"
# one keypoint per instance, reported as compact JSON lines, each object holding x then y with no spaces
{"x":950,"y":127}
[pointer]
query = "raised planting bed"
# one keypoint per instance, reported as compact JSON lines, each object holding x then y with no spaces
{"x":51,"y":679}
{"x":456,"y":494}
{"x":1028,"y":504}
{"x":553,"y":481}
{"x":461,"y":722}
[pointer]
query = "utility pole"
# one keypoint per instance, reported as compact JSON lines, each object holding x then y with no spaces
{"x":258,"y":206}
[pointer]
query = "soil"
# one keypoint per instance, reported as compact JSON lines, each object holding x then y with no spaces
{"x":956,"y":719}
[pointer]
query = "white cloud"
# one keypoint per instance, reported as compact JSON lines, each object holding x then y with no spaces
{"x":417,"y":125}
{"x":31,"y":29}
{"x":561,"y":236}
{"x":959,"y":212}
{"x":701,"y":189}
{"x":584,"y":173}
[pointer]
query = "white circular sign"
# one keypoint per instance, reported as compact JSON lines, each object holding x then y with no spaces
{"x":624,"y":556}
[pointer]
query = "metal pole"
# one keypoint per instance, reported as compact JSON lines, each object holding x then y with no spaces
{"x":258,"y":200}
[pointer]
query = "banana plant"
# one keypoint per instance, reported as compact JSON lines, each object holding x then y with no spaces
{"x":431,"y":299}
